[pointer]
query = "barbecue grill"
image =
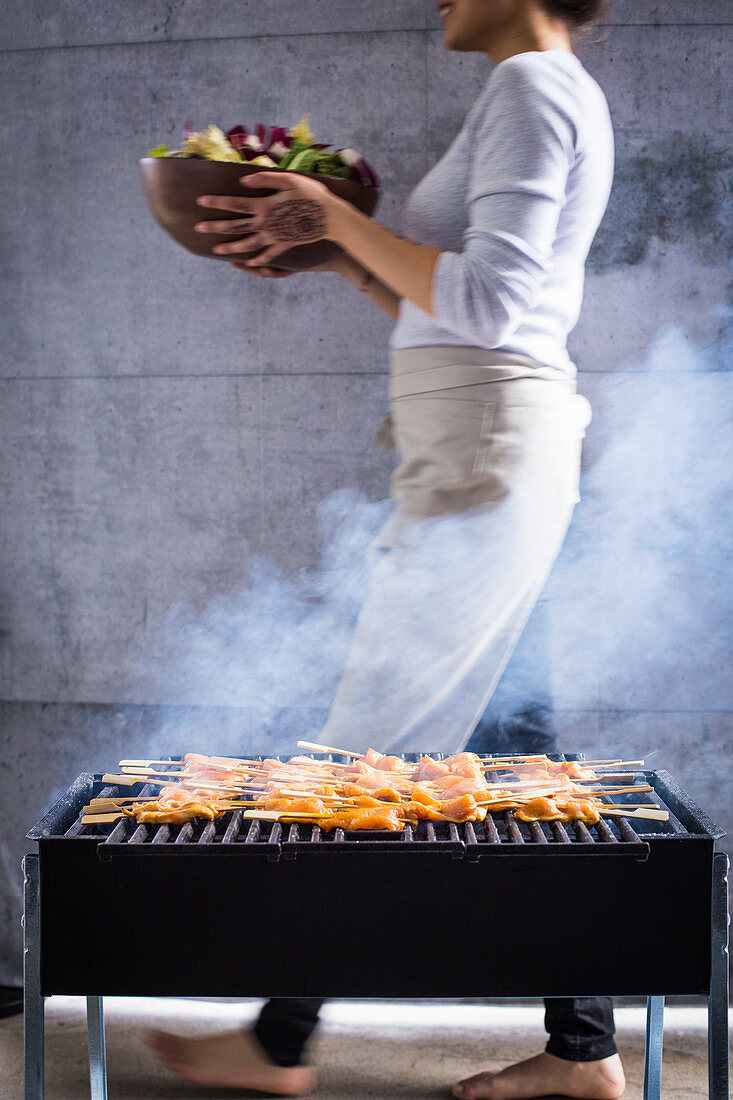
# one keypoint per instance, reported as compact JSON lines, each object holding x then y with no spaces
{"x":236,"y":907}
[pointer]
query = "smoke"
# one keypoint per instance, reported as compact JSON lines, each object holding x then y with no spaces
{"x":272,"y":650}
{"x":639,"y":599}
{"x":641,"y":596}
{"x":639,"y":602}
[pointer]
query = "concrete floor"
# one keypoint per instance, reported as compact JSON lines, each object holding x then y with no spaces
{"x":366,"y":1051}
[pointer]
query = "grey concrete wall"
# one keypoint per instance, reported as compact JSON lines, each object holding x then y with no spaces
{"x":165,"y":419}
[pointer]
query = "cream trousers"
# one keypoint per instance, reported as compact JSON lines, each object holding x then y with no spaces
{"x":489,"y":448}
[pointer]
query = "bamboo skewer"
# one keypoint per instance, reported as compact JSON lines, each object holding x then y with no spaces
{"x":324,"y":797}
{"x":105,"y":804}
{"x":227,"y":763}
{"x":315,"y":747}
{"x":103,"y":819}
{"x":634,"y":788}
{"x":530,"y":758}
{"x":538,"y":786}
{"x":122,"y":780}
{"x":145,"y":763}
{"x":109,"y":807}
{"x":200,"y":784}
{"x":144,"y":772}
{"x":278,"y":815}
{"x":295,"y":819}
{"x":100,"y":814}
{"x":627,"y":777}
{"x":100,"y":804}
{"x":635,"y":811}
{"x":211,"y":761}
{"x":499,"y":766}
{"x":492,"y":765}
{"x":244,"y":783}
{"x":611,"y":763}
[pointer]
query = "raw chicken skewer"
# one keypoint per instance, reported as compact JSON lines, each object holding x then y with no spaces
{"x":372,"y":791}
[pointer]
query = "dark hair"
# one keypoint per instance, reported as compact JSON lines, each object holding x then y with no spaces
{"x":577,"y":13}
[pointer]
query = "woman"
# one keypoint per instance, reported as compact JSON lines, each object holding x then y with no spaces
{"x":488,"y":429}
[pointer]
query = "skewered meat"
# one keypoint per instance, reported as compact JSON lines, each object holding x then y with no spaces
{"x":163,"y":813}
{"x":385,"y":793}
{"x":430,"y":769}
{"x":295,"y":805}
{"x":426,"y":797}
{"x":453,"y":786}
{"x":463,"y":808}
{"x":382,"y":763}
{"x":381,"y":791}
{"x":559,"y":809}
{"x":456,"y":809}
{"x":385,"y":818}
{"x":466,"y":764}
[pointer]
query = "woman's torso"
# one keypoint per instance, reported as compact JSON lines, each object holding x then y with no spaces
{"x":437,"y":211}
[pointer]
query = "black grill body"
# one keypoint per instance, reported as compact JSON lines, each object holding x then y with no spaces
{"x":239,"y":909}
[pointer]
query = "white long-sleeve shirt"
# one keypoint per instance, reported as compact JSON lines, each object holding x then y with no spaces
{"x":514,"y":204}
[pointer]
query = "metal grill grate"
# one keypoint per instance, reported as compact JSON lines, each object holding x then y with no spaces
{"x":500,"y":833}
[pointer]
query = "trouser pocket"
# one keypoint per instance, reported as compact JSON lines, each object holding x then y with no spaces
{"x":445,"y":448}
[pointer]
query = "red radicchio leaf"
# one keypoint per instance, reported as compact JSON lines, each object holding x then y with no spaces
{"x":364,"y":173}
{"x":187,"y":128}
{"x":237,"y":137}
{"x":279,"y":133}
{"x":264,"y":133}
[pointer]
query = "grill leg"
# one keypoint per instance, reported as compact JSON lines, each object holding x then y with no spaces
{"x":718,"y":1000}
{"x":653,"y":1049}
{"x":32,"y":997}
{"x":97,"y":1056}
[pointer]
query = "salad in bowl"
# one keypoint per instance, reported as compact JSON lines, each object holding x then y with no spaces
{"x":212,"y":161}
{"x":272,"y":147}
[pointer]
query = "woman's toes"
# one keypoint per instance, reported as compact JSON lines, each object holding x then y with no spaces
{"x":165,"y":1046}
{"x":158,"y":1039}
{"x":466,"y":1089}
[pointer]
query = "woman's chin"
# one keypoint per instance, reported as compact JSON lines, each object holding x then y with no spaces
{"x":452,"y":41}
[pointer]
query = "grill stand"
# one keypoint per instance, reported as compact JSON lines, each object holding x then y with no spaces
{"x":32,"y":998}
{"x":653,"y":1048}
{"x":717,"y":1001}
{"x":97,"y":1054}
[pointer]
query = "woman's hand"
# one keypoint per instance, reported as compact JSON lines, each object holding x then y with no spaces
{"x":299,"y":213}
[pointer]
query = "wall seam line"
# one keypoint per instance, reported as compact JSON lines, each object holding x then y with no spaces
{"x":274,"y":34}
{"x":228,"y":706}
{"x":611,"y":372}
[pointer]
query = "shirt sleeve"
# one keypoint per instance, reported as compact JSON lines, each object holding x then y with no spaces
{"x":523,"y":148}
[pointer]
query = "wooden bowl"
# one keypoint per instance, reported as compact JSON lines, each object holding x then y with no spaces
{"x":172,"y":185}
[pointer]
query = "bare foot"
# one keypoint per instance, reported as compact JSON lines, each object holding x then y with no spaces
{"x":546,"y":1075}
{"x":233,"y":1060}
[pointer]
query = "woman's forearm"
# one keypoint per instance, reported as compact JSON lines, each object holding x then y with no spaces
{"x":369,"y":284}
{"x":404,"y":266}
